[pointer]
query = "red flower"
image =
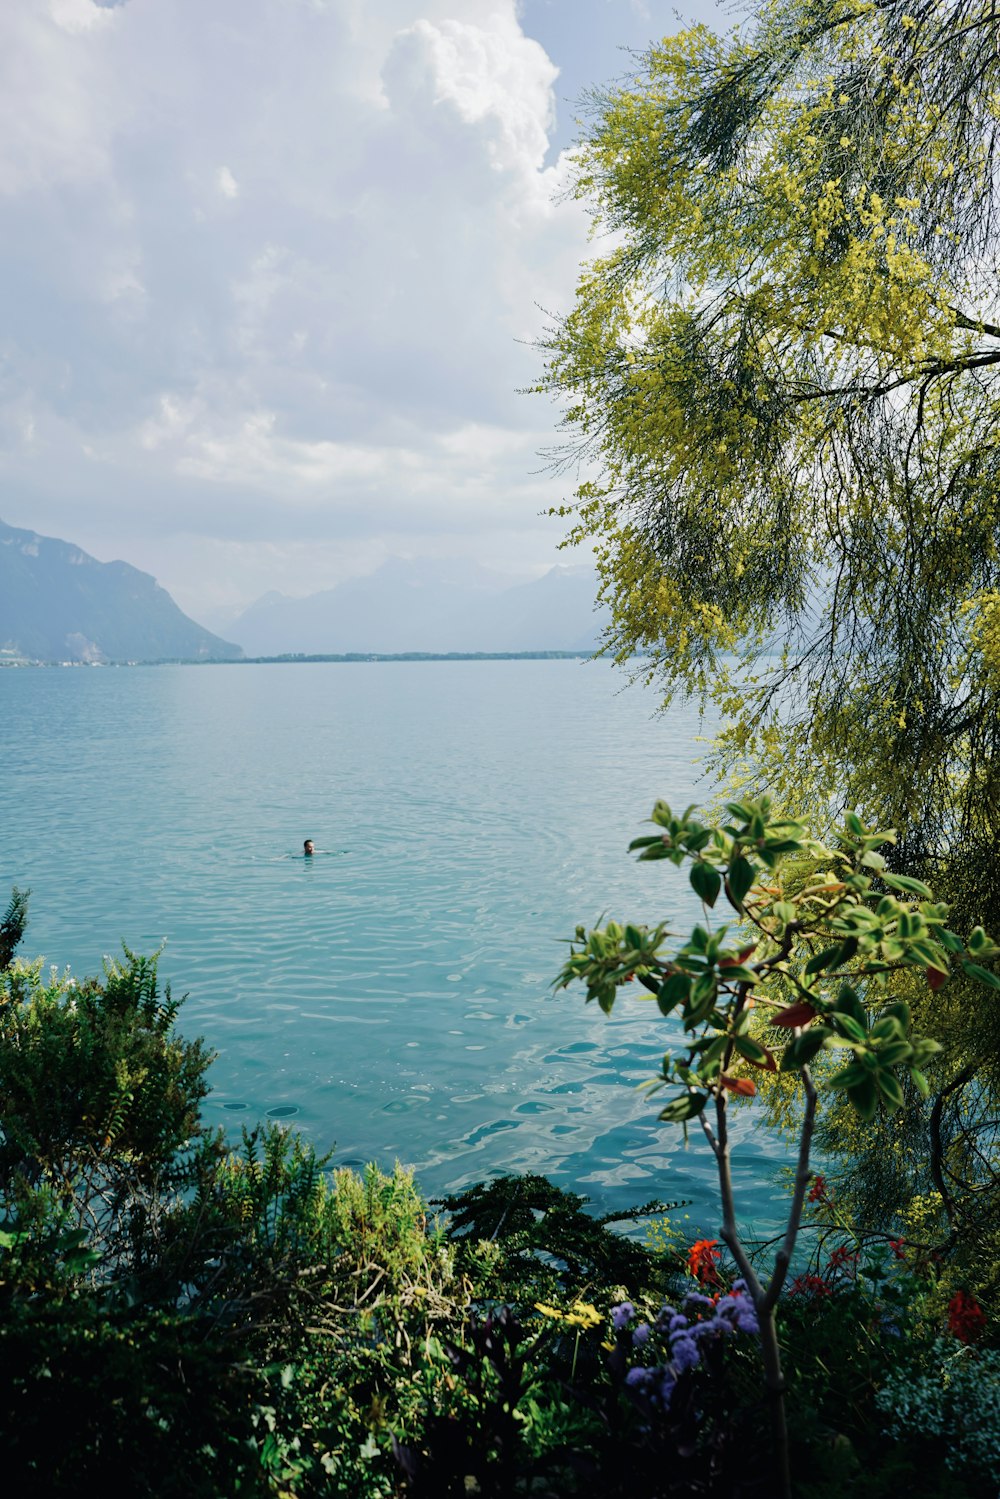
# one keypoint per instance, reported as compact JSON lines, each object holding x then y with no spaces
{"x":966,"y":1318}
{"x":818,"y":1191}
{"x":701,"y":1261}
{"x":809,"y":1285}
{"x":898,"y":1247}
{"x":841,"y":1258}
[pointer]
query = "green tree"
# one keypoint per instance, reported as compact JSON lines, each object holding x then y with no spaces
{"x":12,"y":926}
{"x":781,"y":382}
{"x":827,"y":929}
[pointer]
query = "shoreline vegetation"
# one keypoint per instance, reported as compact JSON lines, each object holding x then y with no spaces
{"x":187,"y":1314}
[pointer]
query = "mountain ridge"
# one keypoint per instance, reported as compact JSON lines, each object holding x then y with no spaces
{"x":57,"y":603}
{"x":430,"y":607}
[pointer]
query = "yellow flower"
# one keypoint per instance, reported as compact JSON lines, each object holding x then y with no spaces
{"x":582,"y":1314}
{"x":549,"y":1311}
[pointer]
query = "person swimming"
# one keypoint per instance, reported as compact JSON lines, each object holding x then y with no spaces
{"x":308,"y":849}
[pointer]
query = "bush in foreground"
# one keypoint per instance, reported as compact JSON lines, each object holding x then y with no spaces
{"x":180,"y":1315}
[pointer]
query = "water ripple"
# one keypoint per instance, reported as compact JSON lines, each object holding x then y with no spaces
{"x":392,"y":995}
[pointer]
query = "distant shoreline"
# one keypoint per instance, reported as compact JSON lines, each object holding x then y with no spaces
{"x":348,"y":657}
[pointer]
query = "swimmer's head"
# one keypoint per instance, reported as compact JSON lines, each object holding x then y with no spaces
{"x":308,"y":848}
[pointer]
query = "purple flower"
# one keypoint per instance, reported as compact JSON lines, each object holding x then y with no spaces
{"x":637,"y":1378}
{"x":684,"y":1354}
{"x":746,"y":1319}
{"x":622,"y":1315}
{"x":667,"y":1387}
{"x":715,"y":1327}
{"x":677,"y":1323}
{"x":739,"y":1312}
{"x":641,"y":1335}
{"x":695,"y":1301}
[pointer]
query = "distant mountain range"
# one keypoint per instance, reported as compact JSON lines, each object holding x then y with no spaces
{"x":59,"y":604}
{"x":428,"y":606}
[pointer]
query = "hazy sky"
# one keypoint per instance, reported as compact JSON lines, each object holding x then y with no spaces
{"x":271,"y":270}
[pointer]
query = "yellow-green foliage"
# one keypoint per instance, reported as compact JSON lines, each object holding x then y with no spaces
{"x":781,"y":368}
{"x":783,"y":377}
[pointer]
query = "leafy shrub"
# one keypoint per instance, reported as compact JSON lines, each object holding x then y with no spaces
{"x":952,"y":1395}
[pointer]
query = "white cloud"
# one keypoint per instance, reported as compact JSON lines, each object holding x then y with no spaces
{"x":227,"y":184}
{"x":267,"y":264}
{"x":78,"y":16}
{"x":491,"y":73}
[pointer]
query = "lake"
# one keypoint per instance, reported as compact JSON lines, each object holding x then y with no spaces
{"x":392,"y":996}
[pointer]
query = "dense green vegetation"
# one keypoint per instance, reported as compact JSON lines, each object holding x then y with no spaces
{"x":182,"y":1315}
{"x":800,"y":986}
{"x":782,"y":377}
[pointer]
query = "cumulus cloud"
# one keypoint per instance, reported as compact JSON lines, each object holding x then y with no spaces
{"x":270,"y":269}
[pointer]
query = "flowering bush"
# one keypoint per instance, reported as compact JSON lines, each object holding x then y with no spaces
{"x":679,"y":1337}
{"x":821,"y":932}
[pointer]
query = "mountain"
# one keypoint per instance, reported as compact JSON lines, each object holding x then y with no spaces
{"x":428,"y":606}
{"x":59,"y":604}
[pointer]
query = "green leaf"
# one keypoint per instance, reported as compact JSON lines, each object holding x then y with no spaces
{"x":887,"y":1028}
{"x":828,"y":958}
{"x":737,"y":973}
{"x":673,"y":992}
{"x":864,"y":1097}
{"x":687,"y":1106}
{"x":702,"y":1001}
{"x":848,"y":1003}
{"x":740,"y":879}
{"x":657,"y":850}
{"x":706,"y":882}
{"x":713,"y":1049}
{"x":920,"y":1082}
{"x":894,"y":1053}
{"x":983,"y":975}
{"x":800,"y":1052}
{"x":906,"y":883}
{"x":927,"y":953}
{"x":978,"y":940}
{"x":890,"y":1088}
{"x":739,"y":810}
{"x":850,"y":1077}
{"x":753,"y":1051}
{"x":849,"y":1027}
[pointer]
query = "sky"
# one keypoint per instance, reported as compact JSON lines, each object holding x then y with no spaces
{"x":273,"y":270}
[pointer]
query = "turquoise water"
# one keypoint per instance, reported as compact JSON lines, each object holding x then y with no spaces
{"x":392,"y":996}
